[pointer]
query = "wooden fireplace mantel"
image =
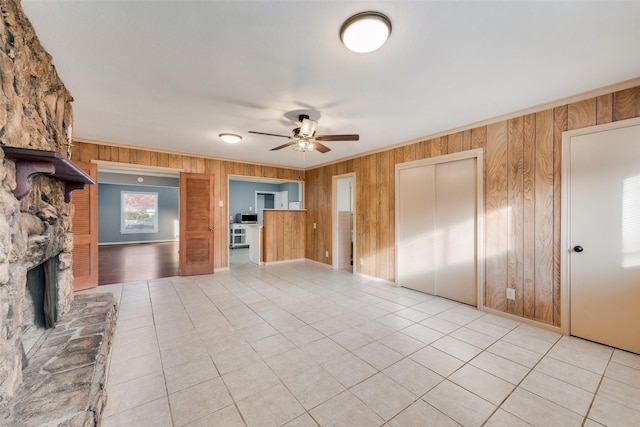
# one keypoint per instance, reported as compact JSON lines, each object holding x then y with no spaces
{"x":30,"y":162}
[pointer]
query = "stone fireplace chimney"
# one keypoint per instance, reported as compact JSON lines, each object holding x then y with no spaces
{"x":35,"y":111}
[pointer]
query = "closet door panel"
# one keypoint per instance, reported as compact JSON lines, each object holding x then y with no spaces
{"x":455,"y":230}
{"x":416,"y":239}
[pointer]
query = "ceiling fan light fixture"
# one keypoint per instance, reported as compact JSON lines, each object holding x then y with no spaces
{"x":303,"y":145}
{"x":365,"y":32}
{"x":230,"y":138}
{"x":308,"y":127}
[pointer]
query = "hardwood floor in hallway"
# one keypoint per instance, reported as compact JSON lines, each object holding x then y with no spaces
{"x":137,"y":261}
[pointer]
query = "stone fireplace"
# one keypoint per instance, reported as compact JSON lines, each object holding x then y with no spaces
{"x":52,"y":376}
{"x":35,"y":230}
{"x":35,"y":248}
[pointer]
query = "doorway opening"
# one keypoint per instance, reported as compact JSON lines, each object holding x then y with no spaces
{"x":264,"y":200}
{"x":249,"y":196}
{"x":138,"y":224}
{"x":343,"y":220}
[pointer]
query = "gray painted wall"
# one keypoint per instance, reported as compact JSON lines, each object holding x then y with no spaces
{"x":242,"y":194}
{"x":109,"y":213}
{"x":292,"y":188}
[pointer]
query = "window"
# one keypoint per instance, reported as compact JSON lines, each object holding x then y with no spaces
{"x":138,"y":212}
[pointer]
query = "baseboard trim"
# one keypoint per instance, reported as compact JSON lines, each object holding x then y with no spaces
{"x":136,"y":242}
{"x":531,"y":322}
{"x":375,"y":279}
{"x":284,"y":261}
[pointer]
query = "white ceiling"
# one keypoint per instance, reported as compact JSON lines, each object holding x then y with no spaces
{"x":172,"y":75}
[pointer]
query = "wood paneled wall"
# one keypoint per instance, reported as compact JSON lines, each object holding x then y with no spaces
{"x":283,"y":235}
{"x":221,"y":169}
{"x":522,"y":187}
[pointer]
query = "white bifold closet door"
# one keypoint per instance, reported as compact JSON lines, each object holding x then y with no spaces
{"x":436,"y":224}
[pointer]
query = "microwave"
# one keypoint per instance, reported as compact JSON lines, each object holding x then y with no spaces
{"x":246,"y":218}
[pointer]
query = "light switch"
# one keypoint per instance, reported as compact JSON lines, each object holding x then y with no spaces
{"x":220,"y":203}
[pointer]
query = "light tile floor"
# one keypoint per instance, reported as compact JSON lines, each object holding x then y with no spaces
{"x":300,"y":344}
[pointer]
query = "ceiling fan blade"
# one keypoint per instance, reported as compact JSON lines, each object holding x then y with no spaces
{"x":288,"y":144}
{"x":269,"y":134}
{"x":321,"y":148}
{"x":353,"y":137}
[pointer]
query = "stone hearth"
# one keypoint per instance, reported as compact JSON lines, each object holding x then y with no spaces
{"x":64,"y":382}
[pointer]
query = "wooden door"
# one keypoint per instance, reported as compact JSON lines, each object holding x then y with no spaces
{"x":604,"y":242}
{"x":85,"y":232}
{"x":196,"y":224}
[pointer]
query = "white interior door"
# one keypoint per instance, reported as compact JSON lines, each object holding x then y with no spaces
{"x":456,"y":231}
{"x":604,"y":227}
{"x":436,"y":226}
{"x":416,"y":228}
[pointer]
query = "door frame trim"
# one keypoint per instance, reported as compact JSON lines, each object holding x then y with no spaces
{"x":334,"y":219}
{"x":446,"y":158}
{"x":565,"y":214}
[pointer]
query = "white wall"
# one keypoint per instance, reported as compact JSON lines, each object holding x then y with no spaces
{"x":345,"y":195}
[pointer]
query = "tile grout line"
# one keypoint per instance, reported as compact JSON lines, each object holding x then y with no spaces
{"x":517,"y":386}
{"x":595,"y":393}
{"x":233,"y":399}
{"x":164,"y":379}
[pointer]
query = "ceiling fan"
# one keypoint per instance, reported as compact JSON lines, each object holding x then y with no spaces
{"x":304,"y":138}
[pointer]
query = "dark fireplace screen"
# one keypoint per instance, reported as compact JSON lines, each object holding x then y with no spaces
{"x":42,"y":288}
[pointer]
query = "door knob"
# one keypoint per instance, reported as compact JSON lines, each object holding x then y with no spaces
{"x":211,"y":230}
{"x":578,"y":248}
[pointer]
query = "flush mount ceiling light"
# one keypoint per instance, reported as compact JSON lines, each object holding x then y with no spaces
{"x":365,"y":31}
{"x":230,"y":138}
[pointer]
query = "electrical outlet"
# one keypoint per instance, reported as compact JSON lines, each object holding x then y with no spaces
{"x":511,"y":293}
{"x":361,"y":261}
{"x":326,"y":254}
{"x":220,"y":203}
{"x":314,"y":225}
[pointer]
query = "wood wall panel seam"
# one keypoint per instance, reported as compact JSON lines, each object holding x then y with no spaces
{"x":604,"y":109}
{"x":626,"y":104}
{"x":560,"y":116}
{"x":515,"y":192}
{"x":496,"y":219}
{"x":544,"y":217}
{"x":582,"y":114}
